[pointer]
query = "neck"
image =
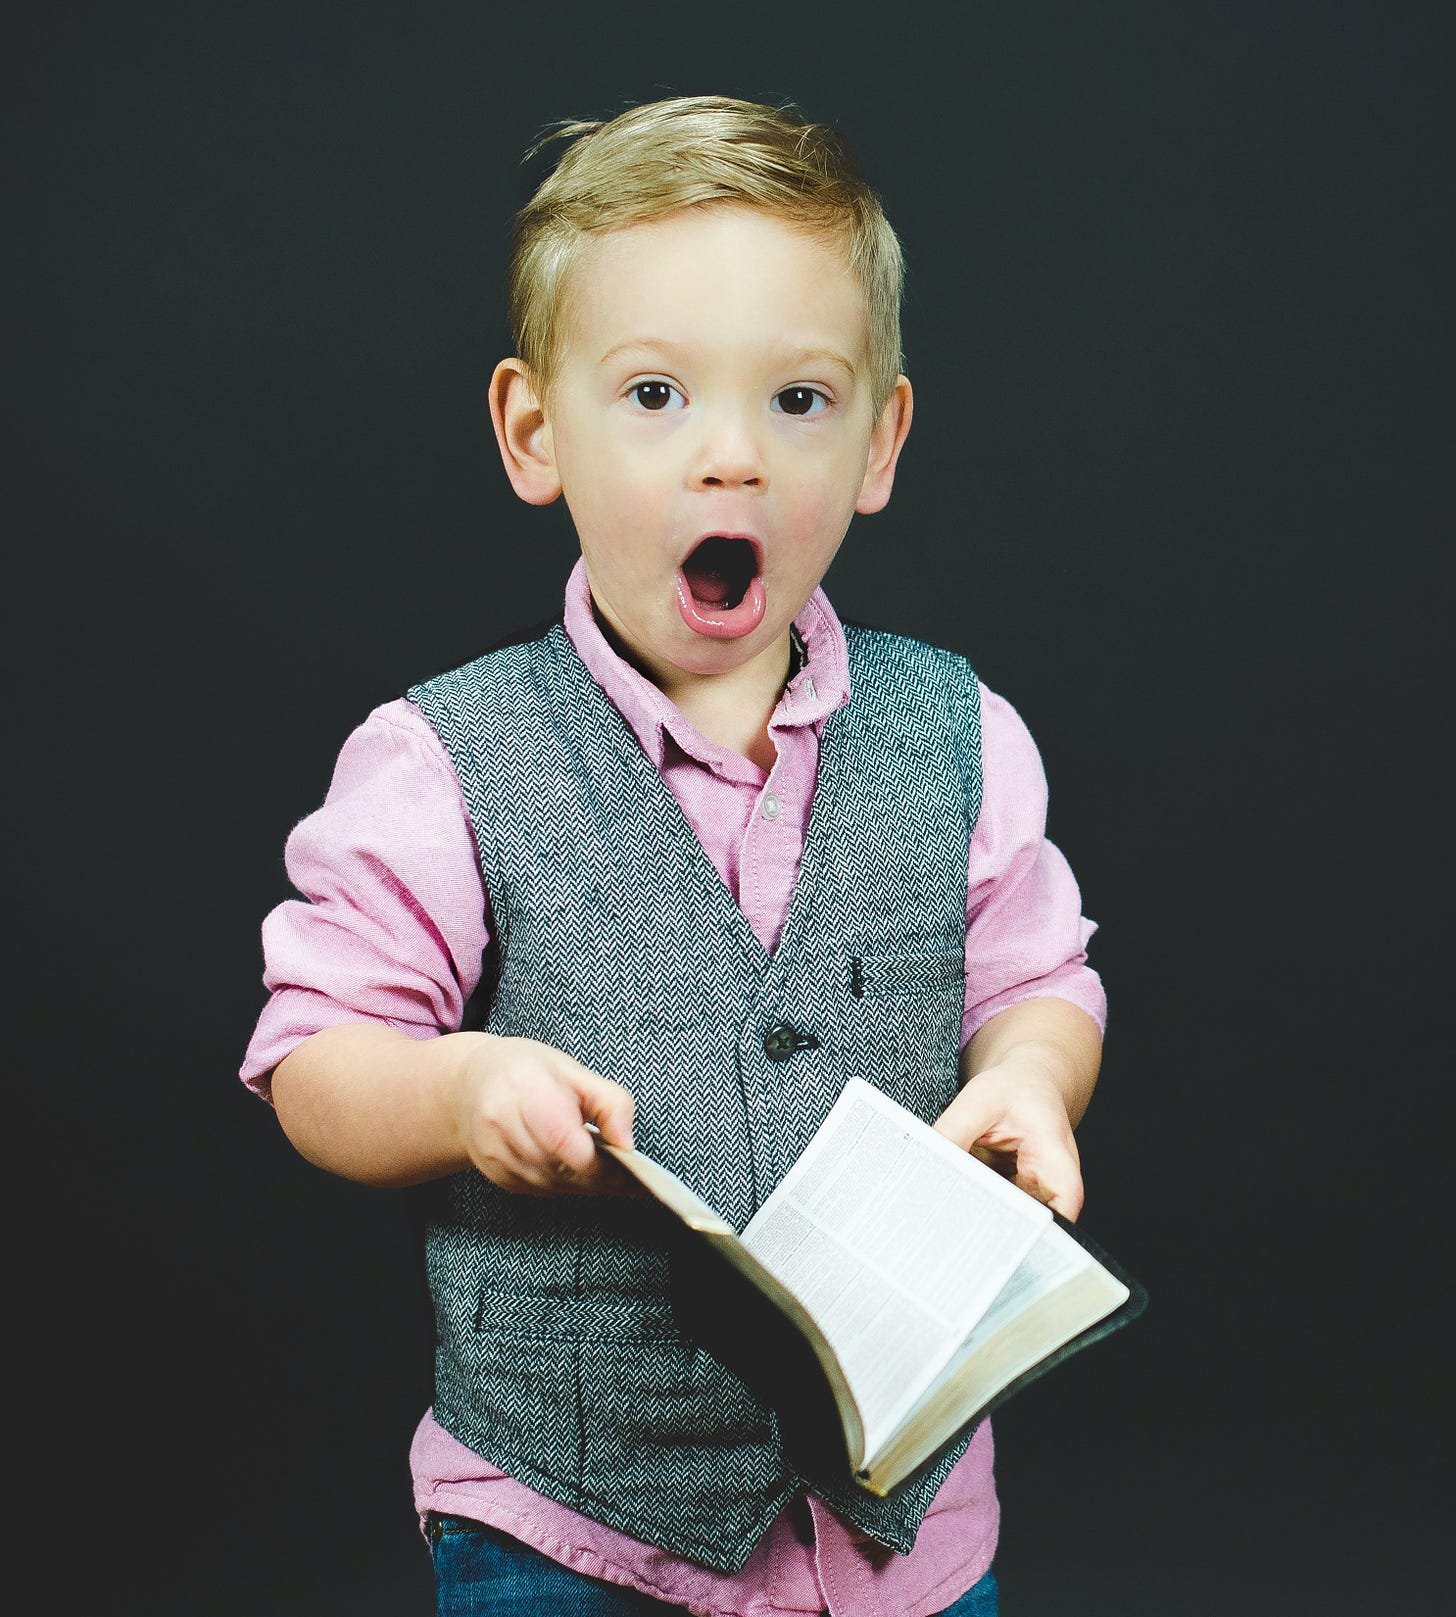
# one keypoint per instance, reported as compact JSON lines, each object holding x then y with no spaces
{"x":731,"y":709}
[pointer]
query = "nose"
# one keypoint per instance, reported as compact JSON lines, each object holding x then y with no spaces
{"x":729,"y":454}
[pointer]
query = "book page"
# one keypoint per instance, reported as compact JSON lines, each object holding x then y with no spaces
{"x":1052,"y":1262}
{"x":1059,"y":1291}
{"x":896,"y":1241}
{"x":707,"y":1222}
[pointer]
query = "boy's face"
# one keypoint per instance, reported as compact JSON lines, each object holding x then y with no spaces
{"x":712,"y":429}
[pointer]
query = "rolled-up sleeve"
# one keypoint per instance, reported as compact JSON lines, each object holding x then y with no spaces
{"x":390,"y":925}
{"x":1026,"y":936}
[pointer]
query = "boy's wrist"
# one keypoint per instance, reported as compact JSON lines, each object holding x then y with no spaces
{"x":1045,"y":1040}
{"x":459,"y":1062}
{"x":1038,"y":1061}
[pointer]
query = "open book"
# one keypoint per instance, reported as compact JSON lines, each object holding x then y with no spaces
{"x":897,"y":1288}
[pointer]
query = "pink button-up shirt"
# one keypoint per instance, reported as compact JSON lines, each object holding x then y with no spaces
{"x":392,"y":929}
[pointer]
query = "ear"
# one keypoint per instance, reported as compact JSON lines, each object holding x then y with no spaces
{"x":885,"y":441}
{"x":523,"y":433}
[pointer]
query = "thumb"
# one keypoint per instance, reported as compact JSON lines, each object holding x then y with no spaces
{"x":603,"y":1102}
{"x":971,"y":1114}
{"x":1054,"y":1176}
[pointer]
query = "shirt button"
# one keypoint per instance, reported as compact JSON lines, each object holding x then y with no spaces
{"x":772,"y":808}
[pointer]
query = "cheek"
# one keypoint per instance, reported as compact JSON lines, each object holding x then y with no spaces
{"x":620,"y":527}
{"x":824,"y":504}
{"x":635,"y":524}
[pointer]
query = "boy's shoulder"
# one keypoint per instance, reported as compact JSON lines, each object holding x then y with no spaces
{"x":910,"y":691}
{"x":890,"y":649}
{"x":496,"y":704}
{"x":915,"y":702}
{"x":510,"y":649}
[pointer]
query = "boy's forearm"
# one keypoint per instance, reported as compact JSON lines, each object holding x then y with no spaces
{"x":1056,"y":1036}
{"x":370,"y":1104}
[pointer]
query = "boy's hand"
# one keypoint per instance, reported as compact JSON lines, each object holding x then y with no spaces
{"x":1014,"y":1118}
{"x":520,"y":1111}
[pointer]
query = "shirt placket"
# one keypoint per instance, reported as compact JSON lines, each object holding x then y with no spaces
{"x":845,"y":1582}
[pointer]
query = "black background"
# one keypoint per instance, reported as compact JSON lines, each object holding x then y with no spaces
{"x":1178,"y":320}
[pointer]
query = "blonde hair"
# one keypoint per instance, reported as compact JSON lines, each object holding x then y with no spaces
{"x":662,"y":156}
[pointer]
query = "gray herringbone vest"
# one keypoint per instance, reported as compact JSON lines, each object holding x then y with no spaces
{"x":614,"y":938}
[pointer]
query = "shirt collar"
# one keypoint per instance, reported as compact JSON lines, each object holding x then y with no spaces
{"x":819,"y":687}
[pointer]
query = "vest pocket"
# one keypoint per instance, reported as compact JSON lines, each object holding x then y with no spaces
{"x":519,"y":1394}
{"x":884,"y":975}
{"x":655,"y":1413}
{"x":902,"y":1030}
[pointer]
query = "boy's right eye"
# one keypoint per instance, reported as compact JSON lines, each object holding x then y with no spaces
{"x":656,"y":394}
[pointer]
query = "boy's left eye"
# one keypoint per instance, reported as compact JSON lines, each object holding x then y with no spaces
{"x":801,"y":401}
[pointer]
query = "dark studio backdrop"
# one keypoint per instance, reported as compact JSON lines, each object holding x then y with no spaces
{"x":1178,"y":320}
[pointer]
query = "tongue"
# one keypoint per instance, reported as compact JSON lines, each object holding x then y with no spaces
{"x":718,"y":571}
{"x":717,"y":607}
{"x":708,"y":585}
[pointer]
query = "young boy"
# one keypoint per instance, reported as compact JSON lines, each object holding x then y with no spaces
{"x":677,"y":867}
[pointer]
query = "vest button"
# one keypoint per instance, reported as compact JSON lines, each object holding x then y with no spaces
{"x":781,"y":1041}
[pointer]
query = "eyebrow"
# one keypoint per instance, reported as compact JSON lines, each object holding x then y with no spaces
{"x":794,"y":356}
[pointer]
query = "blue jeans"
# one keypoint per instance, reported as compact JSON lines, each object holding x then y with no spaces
{"x":480,"y":1570}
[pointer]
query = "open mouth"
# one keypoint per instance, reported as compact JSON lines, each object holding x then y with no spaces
{"x":719,"y":588}
{"x":720,"y":570}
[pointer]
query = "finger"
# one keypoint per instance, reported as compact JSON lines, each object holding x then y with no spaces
{"x":554,"y":1170}
{"x":556,"y":1132}
{"x":517,"y":1161}
{"x":612,"y":1179}
{"x":1002,"y":1161}
{"x":1066,"y":1199}
{"x":602,"y":1102}
{"x":1053,"y":1176}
